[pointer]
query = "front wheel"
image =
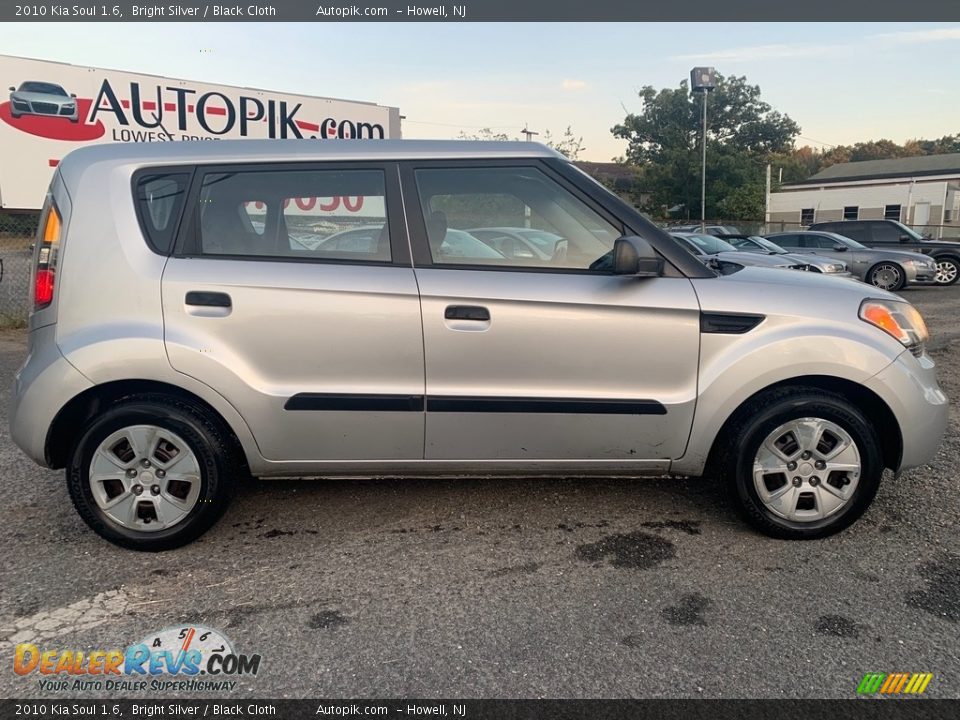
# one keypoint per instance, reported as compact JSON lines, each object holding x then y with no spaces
{"x":887,"y":276}
{"x":152,"y":472}
{"x":804,"y":464}
{"x":948,"y":270}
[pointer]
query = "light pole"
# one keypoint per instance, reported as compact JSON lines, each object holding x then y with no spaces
{"x":529,"y":133}
{"x":703,"y":79}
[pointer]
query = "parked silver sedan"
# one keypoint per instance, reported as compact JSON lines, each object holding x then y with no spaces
{"x":711,"y":250}
{"x":886,"y":269}
{"x":762,"y":246}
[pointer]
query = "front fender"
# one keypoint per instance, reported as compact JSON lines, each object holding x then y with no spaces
{"x":733,"y":368}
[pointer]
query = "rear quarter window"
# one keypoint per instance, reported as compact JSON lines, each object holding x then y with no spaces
{"x":160,"y":198}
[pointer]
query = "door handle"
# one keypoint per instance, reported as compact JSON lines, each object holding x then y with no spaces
{"x":208,"y":299}
{"x":467,"y":312}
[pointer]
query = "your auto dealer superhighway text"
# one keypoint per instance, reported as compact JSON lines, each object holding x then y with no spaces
{"x":213,"y":11}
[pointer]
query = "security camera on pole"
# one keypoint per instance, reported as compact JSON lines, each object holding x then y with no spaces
{"x":703,"y":79}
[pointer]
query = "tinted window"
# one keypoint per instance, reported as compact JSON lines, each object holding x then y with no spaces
{"x":884,"y":232}
{"x":509,"y":217}
{"x":303,"y":214}
{"x":160,"y":200}
{"x":854,"y":231}
{"x":788,"y":241}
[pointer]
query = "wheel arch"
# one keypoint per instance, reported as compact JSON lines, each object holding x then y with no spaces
{"x":867,"y":401}
{"x":65,"y":429}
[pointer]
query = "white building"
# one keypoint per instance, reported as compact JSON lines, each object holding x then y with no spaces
{"x":923,"y":192}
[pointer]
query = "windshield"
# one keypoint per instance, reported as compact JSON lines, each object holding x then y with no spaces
{"x":844,"y":240}
{"x":755,"y":241}
{"x":912,"y":233}
{"x":539,"y":237}
{"x":710,"y":244}
{"x":42,"y":87}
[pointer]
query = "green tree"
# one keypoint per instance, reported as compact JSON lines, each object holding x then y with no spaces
{"x":567,"y":144}
{"x":743,"y":132}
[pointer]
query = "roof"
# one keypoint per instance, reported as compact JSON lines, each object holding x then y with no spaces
{"x":947,"y":164}
{"x":215,"y":151}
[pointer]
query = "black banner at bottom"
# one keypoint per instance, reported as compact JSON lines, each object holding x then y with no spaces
{"x":868,"y":709}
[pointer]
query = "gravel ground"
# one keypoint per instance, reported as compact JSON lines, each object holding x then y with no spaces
{"x":509,"y":587}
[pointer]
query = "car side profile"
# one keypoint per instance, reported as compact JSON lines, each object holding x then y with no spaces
{"x":180,"y":341}
{"x":887,"y":269}
{"x":762,"y":246}
{"x":894,"y":235}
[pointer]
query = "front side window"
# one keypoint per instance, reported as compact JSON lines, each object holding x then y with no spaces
{"x":298,"y":214}
{"x":512,"y":217}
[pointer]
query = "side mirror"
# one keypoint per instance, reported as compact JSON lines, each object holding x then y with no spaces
{"x":12,"y":89}
{"x":905,"y":238}
{"x":73,"y":95}
{"x":634,"y":256}
{"x":840,"y":247}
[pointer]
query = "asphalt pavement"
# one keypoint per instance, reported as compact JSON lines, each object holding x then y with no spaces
{"x":507,"y":588}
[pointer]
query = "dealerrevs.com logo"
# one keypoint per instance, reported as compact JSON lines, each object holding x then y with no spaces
{"x":178,"y":659}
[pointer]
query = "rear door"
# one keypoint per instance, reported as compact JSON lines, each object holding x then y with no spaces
{"x":531,"y":358}
{"x":319,"y":348}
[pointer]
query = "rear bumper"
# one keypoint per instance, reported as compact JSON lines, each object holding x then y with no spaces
{"x":44,"y":384}
{"x":910,"y":389}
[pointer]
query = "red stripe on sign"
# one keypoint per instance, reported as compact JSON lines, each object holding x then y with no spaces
{"x":217,"y":111}
{"x":149,"y":106}
{"x":169,"y":107}
{"x":303,"y":125}
{"x":125,"y":103}
{"x":53,"y":163}
{"x":189,"y":108}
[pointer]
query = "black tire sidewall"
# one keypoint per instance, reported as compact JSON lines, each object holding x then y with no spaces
{"x":214,"y":484}
{"x":767,"y":420}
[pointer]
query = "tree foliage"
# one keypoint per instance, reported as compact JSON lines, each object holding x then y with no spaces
{"x":567,"y":143}
{"x":743,"y":132}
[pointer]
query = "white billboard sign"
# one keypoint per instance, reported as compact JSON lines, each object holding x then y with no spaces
{"x":48,"y":109}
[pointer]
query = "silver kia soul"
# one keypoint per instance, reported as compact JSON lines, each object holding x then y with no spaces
{"x":208,"y":311}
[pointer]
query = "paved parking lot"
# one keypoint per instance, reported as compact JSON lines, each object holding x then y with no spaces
{"x":510,"y":587}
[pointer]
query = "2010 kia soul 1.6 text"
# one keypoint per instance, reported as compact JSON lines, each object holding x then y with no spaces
{"x":208,"y":311}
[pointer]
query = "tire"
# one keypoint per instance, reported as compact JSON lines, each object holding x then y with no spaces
{"x":766,"y":416}
{"x":887,"y":276}
{"x":948,"y":270}
{"x":203,"y":462}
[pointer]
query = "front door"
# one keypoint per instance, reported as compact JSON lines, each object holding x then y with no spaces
{"x":542,"y":353}
{"x":293,"y":297}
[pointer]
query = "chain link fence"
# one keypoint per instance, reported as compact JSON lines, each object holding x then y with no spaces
{"x":17,"y":234}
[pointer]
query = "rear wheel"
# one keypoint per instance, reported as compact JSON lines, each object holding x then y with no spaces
{"x":887,"y":276}
{"x":948,"y":270}
{"x":805,"y":463}
{"x":152,"y":473}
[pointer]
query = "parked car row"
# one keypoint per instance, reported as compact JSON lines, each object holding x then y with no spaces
{"x":883,"y":253}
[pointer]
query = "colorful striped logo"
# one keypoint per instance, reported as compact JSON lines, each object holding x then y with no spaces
{"x":894,"y":683}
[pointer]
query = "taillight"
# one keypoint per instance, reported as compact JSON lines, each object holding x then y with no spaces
{"x":45,"y":276}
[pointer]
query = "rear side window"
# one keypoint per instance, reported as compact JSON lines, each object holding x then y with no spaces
{"x":160,"y":199}
{"x":295,"y":214}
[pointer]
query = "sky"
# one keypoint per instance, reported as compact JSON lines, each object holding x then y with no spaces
{"x":842,"y":82}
